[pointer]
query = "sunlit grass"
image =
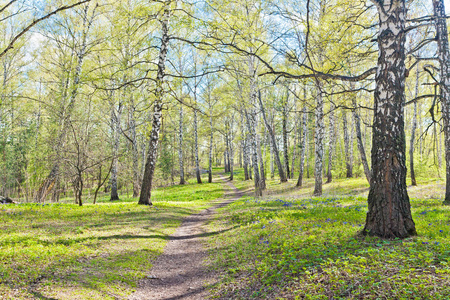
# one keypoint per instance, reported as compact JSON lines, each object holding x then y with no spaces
{"x":283,"y":246}
{"x":94,"y":251}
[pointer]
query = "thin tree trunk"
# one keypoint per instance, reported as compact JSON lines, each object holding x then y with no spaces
{"x":389,"y":210}
{"x":150,"y":165}
{"x":413,"y":132}
{"x":135,"y":150}
{"x":261,"y":163}
{"x":245,"y":158}
{"x":308,"y":175}
{"x":304,"y":144}
{"x":197,"y":164}
{"x":294,"y":151}
{"x":180,"y":146}
{"x":285,"y":133}
{"x":332,"y":139}
{"x":211,"y":140}
{"x":359,"y":141}
{"x":347,"y":146}
{"x":231,"y":149}
{"x":272,"y":167}
{"x":115,"y":126}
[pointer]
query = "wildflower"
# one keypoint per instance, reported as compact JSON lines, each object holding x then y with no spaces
{"x":425,"y":243}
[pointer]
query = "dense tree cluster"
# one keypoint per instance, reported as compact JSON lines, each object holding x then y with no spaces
{"x":123,"y":96}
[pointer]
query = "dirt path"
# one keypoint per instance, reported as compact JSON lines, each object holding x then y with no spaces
{"x":179,"y":272}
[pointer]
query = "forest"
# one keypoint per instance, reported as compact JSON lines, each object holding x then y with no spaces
{"x":288,"y":149}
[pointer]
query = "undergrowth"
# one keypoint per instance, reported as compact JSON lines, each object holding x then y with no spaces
{"x":288,"y":248}
{"x":91,"y":252}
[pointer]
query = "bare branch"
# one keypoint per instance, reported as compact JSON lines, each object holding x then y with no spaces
{"x":36,"y":21}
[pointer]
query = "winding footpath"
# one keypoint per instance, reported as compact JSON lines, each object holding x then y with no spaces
{"x":180,"y":273}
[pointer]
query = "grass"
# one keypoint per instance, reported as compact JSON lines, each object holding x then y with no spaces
{"x":289,"y":245}
{"x":286,"y":245}
{"x":97,"y":251}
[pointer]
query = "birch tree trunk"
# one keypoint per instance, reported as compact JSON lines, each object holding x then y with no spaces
{"x":413,"y":132}
{"x":254,"y":152}
{"x":318,"y":141}
{"x":150,"y":165}
{"x":261,"y":163}
{"x":389,"y":210}
{"x":304,"y":144}
{"x":285,"y":137}
{"x":211,"y":140}
{"x":197,"y":163}
{"x":115,"y":126}
{"x":332,"y":140}
{"x":245,"y":157}
{"x":134,"y":149}
{"x":294,"y":151}
{"x":347,"y":146}
{"x":180,"y":146}
{"x":444,"y":61}
{"x":359,"y":141}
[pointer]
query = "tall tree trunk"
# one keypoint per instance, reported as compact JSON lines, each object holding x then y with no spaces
{"x":150,"y":165}
{"x":359,"y":141}
{"x":285,"y":135}
{"x":197,"y":164}
{"x":272,"y":166}
{"x":134,"y":149}
{"x":294,"y":151}
{"x":332,"y":139}
{"x":308,"y":175}
{"x":245,"y":158}
{"x":261,"y":163}
{"x":211,"y":140}
{"x":413,"y":132}
{"x":389,"y":214}
{"x":347,"y":146}
{"x":304,"y":144}
{"x":51,"y":179}
{"x":254,"y":152}
{"x":444,"y":61}
{"x":231,"y":150}
{"x":274,"y":142}
{"x":180,"y":146}
{"x":115,"y":126}
{"x":318,"y":141}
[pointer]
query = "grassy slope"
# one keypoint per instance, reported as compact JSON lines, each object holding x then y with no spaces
{"x":91,"y":252}
{"x":288,"y":245}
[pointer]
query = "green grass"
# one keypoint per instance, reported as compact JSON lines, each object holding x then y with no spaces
{"x":287,"y":247}
{"x":90,"y":252}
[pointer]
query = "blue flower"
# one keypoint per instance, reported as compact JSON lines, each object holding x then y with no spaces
{"x":425,"y":243}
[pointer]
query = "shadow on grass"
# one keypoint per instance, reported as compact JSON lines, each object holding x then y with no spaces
{"x":38,"y":295}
